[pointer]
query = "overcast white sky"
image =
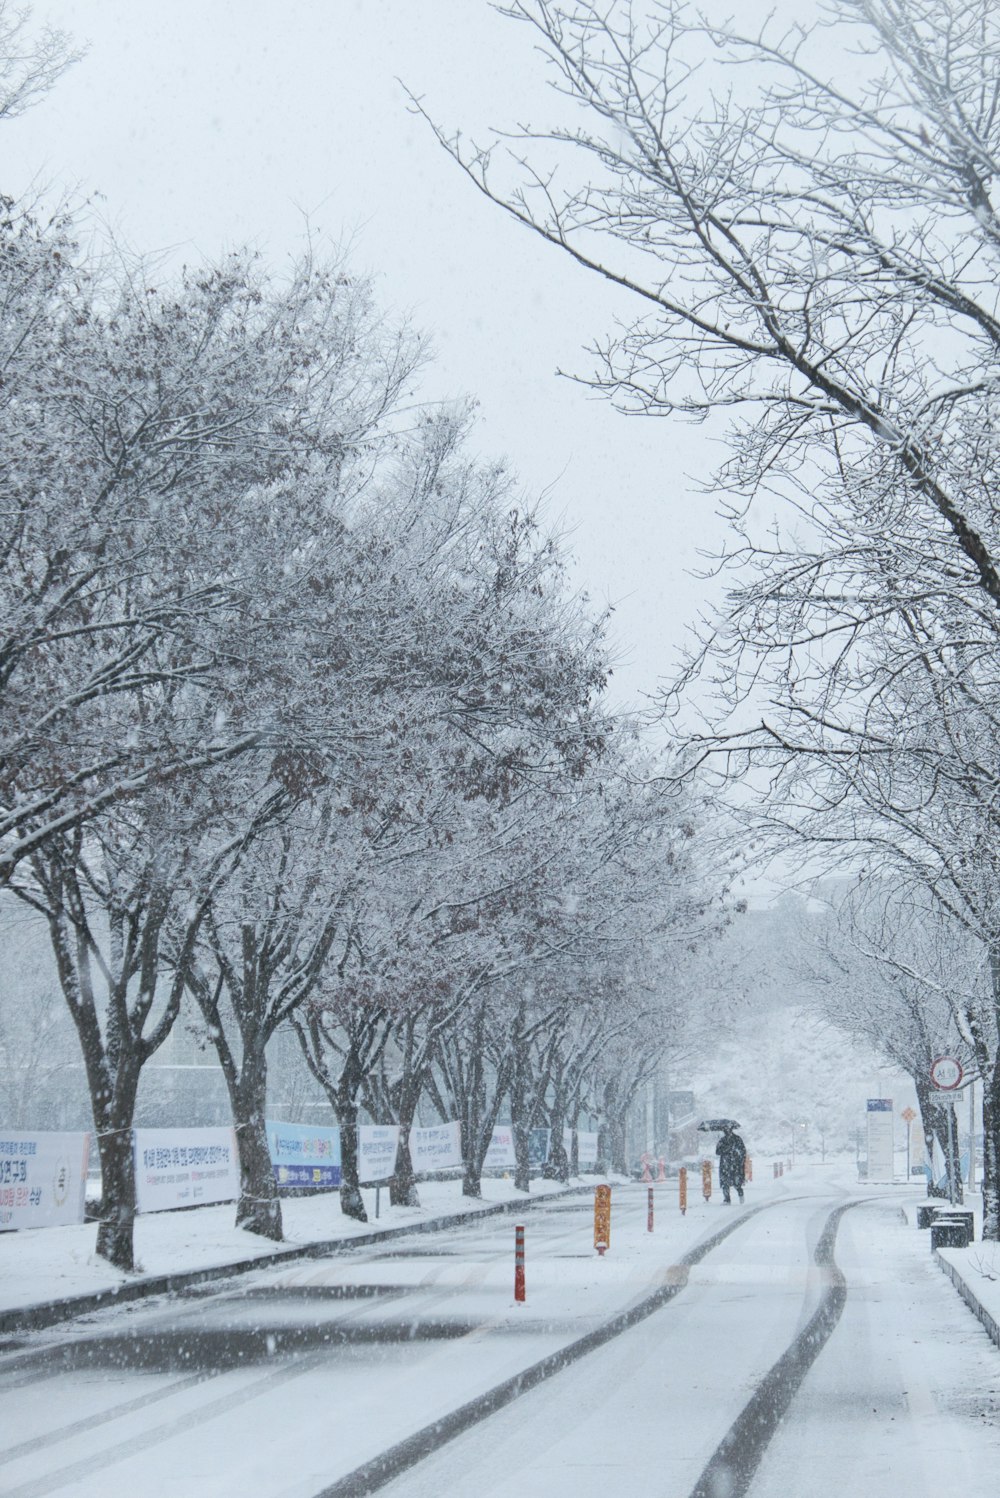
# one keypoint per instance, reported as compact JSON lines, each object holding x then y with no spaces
{"x":204,"y":124}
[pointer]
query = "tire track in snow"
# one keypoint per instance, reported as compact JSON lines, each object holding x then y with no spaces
{"x":733,"y":1465}
{"x":383,"y":1469}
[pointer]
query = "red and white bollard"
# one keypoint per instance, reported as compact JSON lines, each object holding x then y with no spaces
{"x":649,"y":1210}
{"x":519,"y":1263}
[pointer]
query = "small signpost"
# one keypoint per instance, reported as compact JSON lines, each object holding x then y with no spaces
{"x":602,"y":1218}
{"x":947,"y":1077}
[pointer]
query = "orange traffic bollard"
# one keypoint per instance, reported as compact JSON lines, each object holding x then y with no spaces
{"x":519,"y":1263}
{"x":706,"y":1179}
{"x":602,"y":1218}
{"x":662,"y":1175}
{"x":682,"y":1189}
{"x":645,"y":1169}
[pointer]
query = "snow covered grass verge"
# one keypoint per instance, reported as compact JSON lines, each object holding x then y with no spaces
{"x":52,"y":1264}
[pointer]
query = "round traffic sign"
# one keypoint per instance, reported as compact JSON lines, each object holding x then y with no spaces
{"x":946,"y":1073}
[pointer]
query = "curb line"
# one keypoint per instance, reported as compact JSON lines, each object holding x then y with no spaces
{"x":50,"y":1312}
{"x":965,"y":1290}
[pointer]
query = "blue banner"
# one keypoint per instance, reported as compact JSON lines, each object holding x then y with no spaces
{"x":538,"y":1146}
{"x":304,"y":1155}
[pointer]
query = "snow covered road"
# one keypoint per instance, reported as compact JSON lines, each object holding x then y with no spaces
{"x":284,"y":1382}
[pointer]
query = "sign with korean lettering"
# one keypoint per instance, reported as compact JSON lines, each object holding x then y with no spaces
{"x":586,"y":1145}
{"x":436,"y":1148}
{"x":880,"y":1139}
{"x":500,"y":1155}
{"x":43,"y":1178}
{"x":184,"y":1168}
{"x":377,"y":1145}
{"x":304,"y":1155}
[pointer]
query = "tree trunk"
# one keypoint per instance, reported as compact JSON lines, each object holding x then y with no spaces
{"x":522,"y":1156}
{"x":520,"y":1113}
{"x":403,"y":1185}
{"x":259,"y":1207}
{"x":351,"y":1201}
{"x":115,"y":1232}
{"x":474,"y":1105}
{"x":617,"y":1135}
{"x":557,"y":1165}
{"x":930,"y":1124}
{"x":991,"y":1152}
{"x":989,"y":1071}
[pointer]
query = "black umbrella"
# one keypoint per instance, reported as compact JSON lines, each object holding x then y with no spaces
{"x":717,"y":1125}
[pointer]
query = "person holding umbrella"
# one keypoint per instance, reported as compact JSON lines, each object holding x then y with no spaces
{"x":732,"y":1153}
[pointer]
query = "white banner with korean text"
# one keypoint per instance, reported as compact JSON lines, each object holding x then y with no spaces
{"x":184,"y":1168}
{"x":43,"y":1178}
{"x":500,"y":1155}
{"x":437,"y":1147}
{"x":377,"y":1146}
{"x":586,"y":1147}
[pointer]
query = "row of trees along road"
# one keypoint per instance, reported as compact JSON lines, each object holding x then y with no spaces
{"x":302,"y":721}
{"x":805,"y":216}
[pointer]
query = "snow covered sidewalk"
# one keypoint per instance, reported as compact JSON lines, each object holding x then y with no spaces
{"x":974,"y":1271}
{"x":49,"y":1265}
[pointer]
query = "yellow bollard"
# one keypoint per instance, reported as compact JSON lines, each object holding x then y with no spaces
{"x":602,"y":1218}
{"x":706,"y":1179}
{"x":682,"y":1189}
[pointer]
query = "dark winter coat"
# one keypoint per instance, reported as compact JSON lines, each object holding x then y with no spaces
{"x":732,"y":1153}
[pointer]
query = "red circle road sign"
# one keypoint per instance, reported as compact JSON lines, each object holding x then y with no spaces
{"x":946,"y":1073}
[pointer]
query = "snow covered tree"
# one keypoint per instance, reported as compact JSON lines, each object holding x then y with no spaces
{"x":804,"y":218}
{"x":164,"y":444}
{"x":123,"y":904}
{"x":812,"y":246}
